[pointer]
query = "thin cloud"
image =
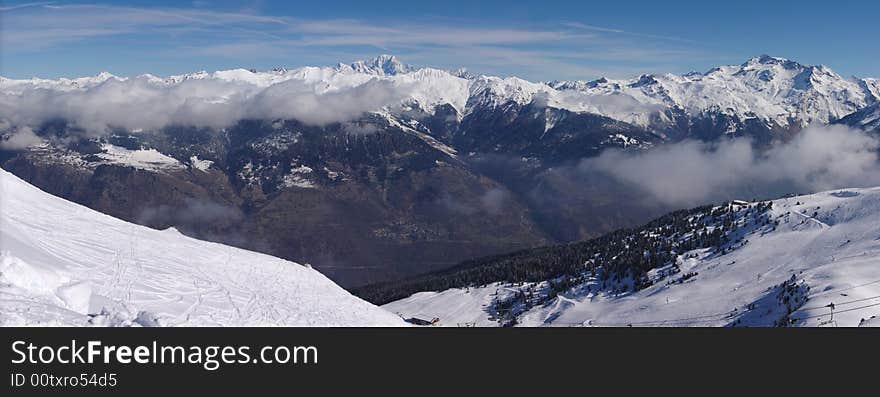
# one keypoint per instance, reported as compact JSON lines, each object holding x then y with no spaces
{"x":583,"y":26}
{"x":537,"y":65}
{"x":578,"y":25}
{"x":25,"y":5}
{"x":560,"y":50}
{"x":43,"y":25}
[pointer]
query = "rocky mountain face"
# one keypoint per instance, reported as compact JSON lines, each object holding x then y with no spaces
{"x":429,"y":167}
{"x":867,"y":119}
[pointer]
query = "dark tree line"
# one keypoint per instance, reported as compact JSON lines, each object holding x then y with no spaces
{"x":613,"y":257}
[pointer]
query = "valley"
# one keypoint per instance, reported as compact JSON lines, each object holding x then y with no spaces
{"x":428,"y":169}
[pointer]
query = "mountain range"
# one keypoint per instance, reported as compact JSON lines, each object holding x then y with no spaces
{"x":378,"y":170}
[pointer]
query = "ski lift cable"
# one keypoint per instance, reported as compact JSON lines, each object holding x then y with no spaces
{"x":704,"y":317}
{"x":842,"y":289}
{"x":728,"y":313}
{"x":840,"y":303}
{"x":836,"y":312}
{"x":713,"y":316}
{"x":732,"y":312}
{"x":708,"y":317}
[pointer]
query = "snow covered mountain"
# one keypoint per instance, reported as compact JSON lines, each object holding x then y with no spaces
{"x":772,"y":89}
{"x":873,"y":86}
{"x":64,"y":264}
{"x":382,"y":65}
{"x":776,"y":91}
{"x":404,"y":156}
{"x":867,"y":119}
{"x":798,"y":261}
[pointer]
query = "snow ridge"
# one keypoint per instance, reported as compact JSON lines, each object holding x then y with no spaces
{"x":770,"y":88}
{"x":65,"y":264}
{"x":776,"y":90}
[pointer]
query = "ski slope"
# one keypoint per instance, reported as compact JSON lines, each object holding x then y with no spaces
{"x":62,"y":264}
{"x":829,"y":242}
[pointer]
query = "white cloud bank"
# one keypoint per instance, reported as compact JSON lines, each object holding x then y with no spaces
{"x":145,"y":104}
{"x":19,"y":138}
{"x":692,"y":173}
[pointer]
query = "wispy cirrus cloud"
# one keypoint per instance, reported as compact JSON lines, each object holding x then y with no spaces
{"x":349,"y":32}
{"x":23,"y":5}
{"x":41,"y":25}
{"x":542,"y":51}
{"x":582,"y":26}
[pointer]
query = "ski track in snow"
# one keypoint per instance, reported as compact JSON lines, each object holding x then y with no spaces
{"x":64,"y":264}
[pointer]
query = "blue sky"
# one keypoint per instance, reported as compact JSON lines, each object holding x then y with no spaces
{"x":531,"y":39}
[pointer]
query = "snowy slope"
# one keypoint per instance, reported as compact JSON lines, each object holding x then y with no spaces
{"x":146,"y":159}
{"x":829,"y":242}
{"x":872,"y":85}
{"x":64,"y":264}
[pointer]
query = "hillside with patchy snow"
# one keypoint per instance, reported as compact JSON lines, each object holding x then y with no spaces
{"x":64,"y":264}
{"x":799,"y":261}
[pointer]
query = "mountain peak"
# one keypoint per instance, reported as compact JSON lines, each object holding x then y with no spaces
{"x":645,"y":79}
{"x":383,"y":64}
{"x":463,"y":73}
{"x":767,"y":60}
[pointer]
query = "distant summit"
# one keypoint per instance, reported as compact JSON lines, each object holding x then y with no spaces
{"x":382,"y":65}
